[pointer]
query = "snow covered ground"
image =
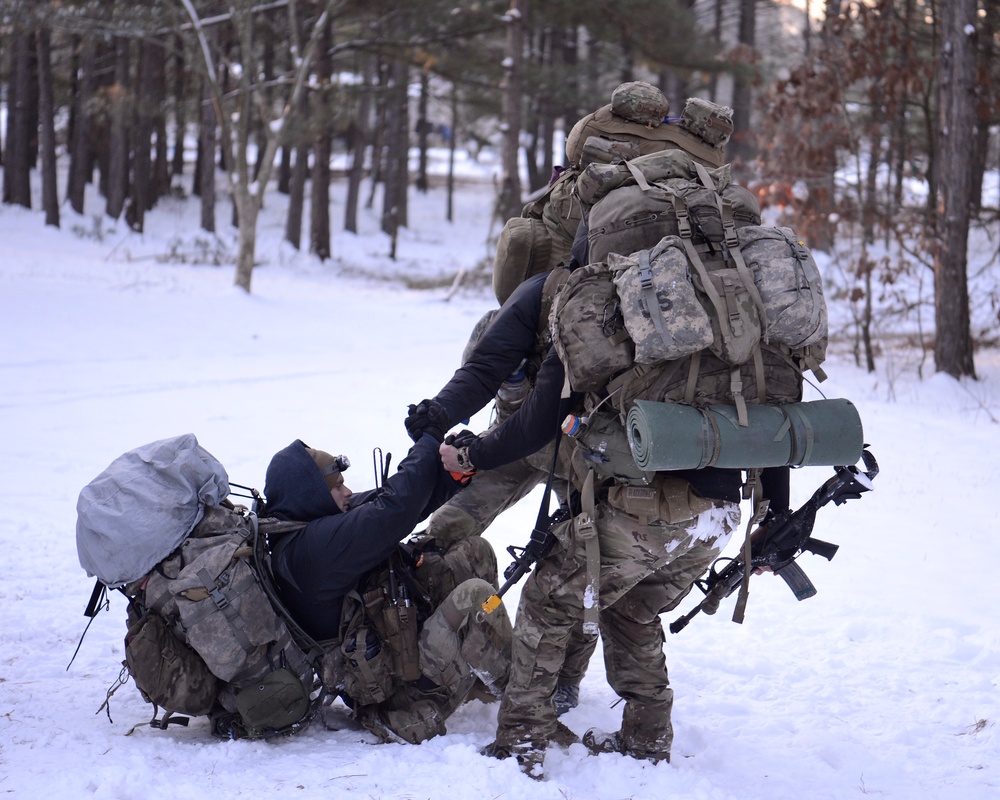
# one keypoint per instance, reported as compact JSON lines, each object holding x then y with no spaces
{"x":884,"y":684}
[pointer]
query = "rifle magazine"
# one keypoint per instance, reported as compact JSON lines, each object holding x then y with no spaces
{"x":797,"y":580}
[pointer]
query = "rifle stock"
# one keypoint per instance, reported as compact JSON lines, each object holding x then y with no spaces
{"x":776,"y":544}
{"x":539,"y":545}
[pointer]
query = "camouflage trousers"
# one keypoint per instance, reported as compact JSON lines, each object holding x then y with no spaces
{"x":646,"y":568}
{"x":458,"y":653}
{"x":470,"y":512}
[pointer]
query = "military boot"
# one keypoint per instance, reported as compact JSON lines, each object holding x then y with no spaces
{"x":598,"y":741}
{"x":530,"y":756}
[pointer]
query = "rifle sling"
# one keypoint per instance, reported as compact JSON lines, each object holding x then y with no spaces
{"x":760,"y":509}
{"x":586,"y":531}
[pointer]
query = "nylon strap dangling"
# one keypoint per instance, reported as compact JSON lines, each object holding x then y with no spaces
{"x":586,"y":530}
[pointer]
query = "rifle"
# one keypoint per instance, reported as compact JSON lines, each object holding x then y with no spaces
{"x":778,"y":542}
{"x":539,"y":544}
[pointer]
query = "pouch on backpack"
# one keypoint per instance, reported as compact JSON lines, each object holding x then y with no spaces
{"x":522,"y":251}
{"x":789,"y":283}
{"x":216,"y":577}
{"x":273,"y":703}
{"x":166,"y":671}
{"x":400,"y":625}
{"x":368,"y":668}
{"x":666,"y":499}
{"x":660,"y":307}
{"x":737,"y":322}
{"x":587,"y":329}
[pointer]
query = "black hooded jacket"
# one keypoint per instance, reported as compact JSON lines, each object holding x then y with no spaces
{"x":511,"y":336}
{"x":317,"y":566}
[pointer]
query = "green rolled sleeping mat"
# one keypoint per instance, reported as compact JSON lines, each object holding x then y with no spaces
{"x":671,"y":436}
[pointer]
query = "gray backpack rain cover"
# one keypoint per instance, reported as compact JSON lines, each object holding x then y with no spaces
{"x":140,"y":509}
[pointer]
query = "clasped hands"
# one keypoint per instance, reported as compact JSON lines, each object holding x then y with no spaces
{"x":429,"y":416}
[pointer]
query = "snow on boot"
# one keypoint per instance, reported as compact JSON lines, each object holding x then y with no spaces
{"x":598,"y":741}
{"x":529,"y":756}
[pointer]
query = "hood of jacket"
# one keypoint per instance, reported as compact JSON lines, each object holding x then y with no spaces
{"x":294,"y":486}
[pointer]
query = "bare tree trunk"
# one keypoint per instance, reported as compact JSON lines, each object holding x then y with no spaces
{"x":360,"y":136}
{"x":452,"y":138}
{"x":142,"y":187}
{"x":532,"y":122}
{"x":987,"y":56}
{"x":627,"y":68}
{"x":297,"y":195}
{"x":199,"y":164}
{"x":540,"y":159}
{"x":674,"y":81}
{"x":717,"y":17}
{"x":900,"y":138}
{"x":953,"y":349}
{"x":933,"y":154}
{"x":509,"y":203}
{"x":548,"y":110}
{"x":595,"y":49}
{"x":379,"y":139}
{"x":570,"y":59}
{"x":248,"y":193}
{"x":47,"y":128}
{"x":206,"y":187}
{"x":297,"y":175}
{"x":397,"y":147}
{"x":180,"y":109}
{"x":675,"y":88}
{"x":823,"y":195}
{"x":423,"y":128}
{"x":23,"y":84}
{"x":284,"y":180}
{"x":118,"y":151}
{"x":319,"y":225}
{"x":160,"y":172}
{"x":79,"y":168}
{"x":741,"y":148}
{"x":319,"y":212}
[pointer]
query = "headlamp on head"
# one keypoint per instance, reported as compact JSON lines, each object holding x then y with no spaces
{"x":340,"y":464}
{"x":330,"y":466}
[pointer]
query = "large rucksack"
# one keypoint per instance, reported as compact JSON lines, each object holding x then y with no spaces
{"x":629,"y":126}
{"x":688,"y":298}
{"x":204,"y":634}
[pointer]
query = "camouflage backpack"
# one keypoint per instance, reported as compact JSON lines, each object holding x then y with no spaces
{"x":716,"y":307}
{"x":204,"y":635}
{"x":629,"y":126}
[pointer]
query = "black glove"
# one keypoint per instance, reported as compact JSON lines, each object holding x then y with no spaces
{"x":461,"y":439}
{"x":428,"y":416}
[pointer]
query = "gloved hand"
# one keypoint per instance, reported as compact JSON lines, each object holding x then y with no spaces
{"x":428,"y":416}
{"x":455,"y":455}
{"x":461,"y":439}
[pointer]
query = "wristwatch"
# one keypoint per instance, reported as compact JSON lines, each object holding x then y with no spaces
{"x":462,"y":457}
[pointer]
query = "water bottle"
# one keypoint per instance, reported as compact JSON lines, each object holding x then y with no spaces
{"x":514,"y":388}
